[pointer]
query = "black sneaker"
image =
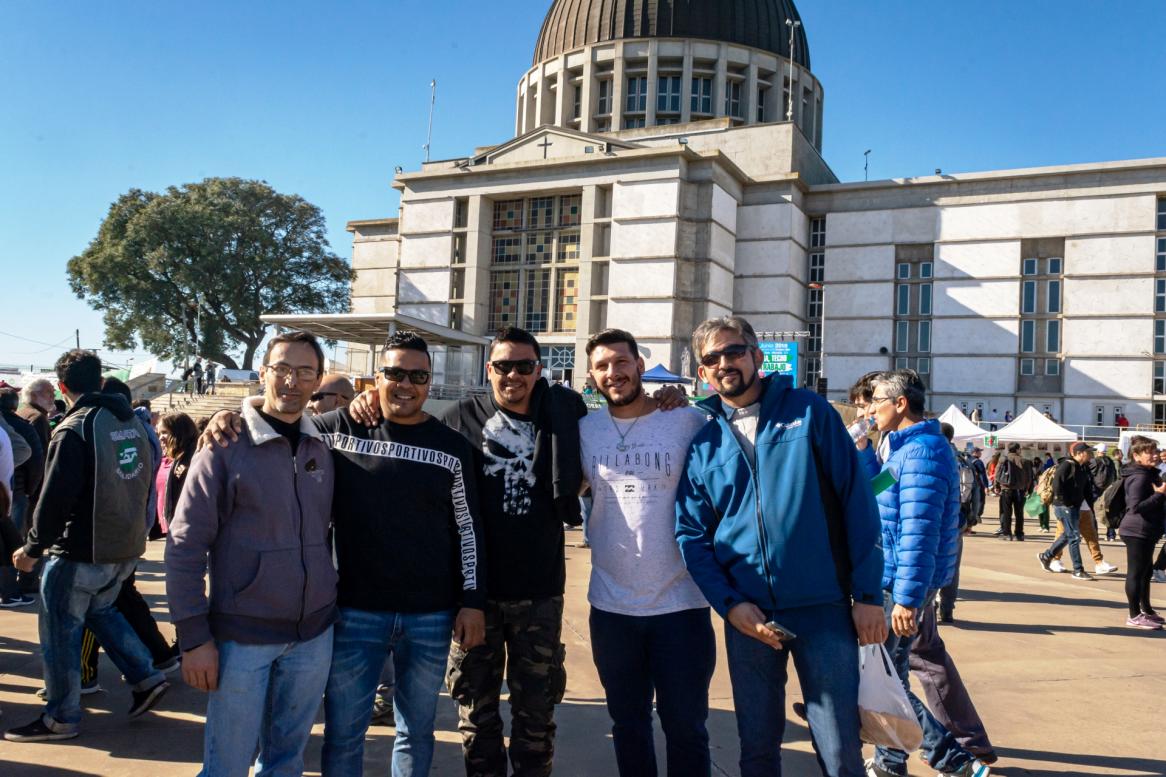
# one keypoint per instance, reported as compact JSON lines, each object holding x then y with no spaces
{"x":382,"y":711}
{"x":145,"y":700}
{"x":1044,"y":562}
{"x":1082,"y":575}
{"x":946,"y":617}
{"x":43,"y":729}
{"x":20,"y":600}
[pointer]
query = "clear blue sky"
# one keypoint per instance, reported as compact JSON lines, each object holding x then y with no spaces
{"x":323,"y":99}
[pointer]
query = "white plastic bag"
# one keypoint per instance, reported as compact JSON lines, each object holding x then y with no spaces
{"x":887,"y":717}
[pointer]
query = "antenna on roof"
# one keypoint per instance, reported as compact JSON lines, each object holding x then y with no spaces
{"x":432,"y":102}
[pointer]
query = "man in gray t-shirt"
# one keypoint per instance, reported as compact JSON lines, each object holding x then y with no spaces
{"x":651,"y":632}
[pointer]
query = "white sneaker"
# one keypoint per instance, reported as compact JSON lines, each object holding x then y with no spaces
{"x":1159,"y":576}
{"x":1104,"y":568}
{"x":1055,"y":566}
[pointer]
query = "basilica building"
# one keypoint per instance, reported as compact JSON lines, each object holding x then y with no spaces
{"x":666,"y":167}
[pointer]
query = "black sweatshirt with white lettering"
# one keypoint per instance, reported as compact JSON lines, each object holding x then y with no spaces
{"x":407,"y":531}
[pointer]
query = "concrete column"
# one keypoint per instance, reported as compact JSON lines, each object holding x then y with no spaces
{"x":542,"y":99}
{"x":719,"y":81}
{"x":686,"y":84}
{"x":586,"y":251}
{"x":617,"y":89}
{"x":588,"y":100}
{"x":519,"y":110}
{"x":653,"y":85}
{"x":480,"y":222}
{"x":565,"y":103}
{"x":750,"y":101}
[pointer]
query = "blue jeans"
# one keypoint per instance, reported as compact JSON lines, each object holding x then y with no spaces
{"x":267,"y":694}
{"x":76,"y":594}
{"x":419,"y":646}
{"x":1070,"y":518}
{"x":940,"y":748}
{"x":672,"y":656}
{"x":825,"y":654}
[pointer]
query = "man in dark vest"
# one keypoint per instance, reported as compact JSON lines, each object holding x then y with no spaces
{"x":89,"y":521}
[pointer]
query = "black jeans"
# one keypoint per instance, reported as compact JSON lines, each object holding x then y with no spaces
{"x":1012,"y":504}
{"x":1160,"y":563}
{"x":1139,"y":552}
{"x":672,"y":655}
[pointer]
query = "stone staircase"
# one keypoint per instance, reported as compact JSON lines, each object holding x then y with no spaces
{"x":225,"y":398}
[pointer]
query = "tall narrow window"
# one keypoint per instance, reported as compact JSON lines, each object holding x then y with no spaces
{"x":1160,"y":257}
{"x":903,"y":301}
{"x":1162,"y":214}
{"x":668,"y":94}
{"x":1028,"y":336}
{"x":1160,"y":295}
{"x":577,"y":101}
{"x":1028,"y":297}
{"x":733,"y":99}
{"x":761,"y":92}
{"x":925,"y":299}
{"x":637,"y":97}
{"x":902,"y":336}
{"x":1053,"y":297}
{"x":1053,"y":336}
{"x":1160,"y":335}
{"x":1160,"y":377}
{"x":603,"y":101}
{"x":924,"y":337}
{"x":702,"y":96}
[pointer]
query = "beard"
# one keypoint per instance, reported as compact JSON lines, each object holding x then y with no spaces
{"x":637,"y":390}
{"x":744,"y":385}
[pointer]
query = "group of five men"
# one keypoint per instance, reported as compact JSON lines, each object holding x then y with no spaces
{"x":453,"y":527}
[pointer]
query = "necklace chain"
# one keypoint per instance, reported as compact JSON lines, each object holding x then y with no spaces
{"x":622,"y":444}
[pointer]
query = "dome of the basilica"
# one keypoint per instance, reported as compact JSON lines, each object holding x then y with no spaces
{"x":572,"y":24}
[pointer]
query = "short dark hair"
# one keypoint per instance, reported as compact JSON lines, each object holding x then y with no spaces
{"x":60,"y":405}
{"x":407,"y":341}
{"x":1014,"y":447}
{"x":80,"y":371}
{"x":863,"y":388}
{"x":142,"y":403}
{"x":9,"y":400}
{"x":1140,"y":444}
{"x":611,"y":337}
{"x":297,"y":337}
{"x":948,"y":431}
{"x":117,"y":387}
{"x":512,"y":334}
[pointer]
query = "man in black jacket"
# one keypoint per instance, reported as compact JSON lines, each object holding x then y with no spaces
{"x":90,"y":520}
{"x":25,"y":489}
{"x":1014,"y":477}
{"x":1071,"y":487}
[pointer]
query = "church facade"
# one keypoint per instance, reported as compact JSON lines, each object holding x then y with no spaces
{"x":666,"y":168}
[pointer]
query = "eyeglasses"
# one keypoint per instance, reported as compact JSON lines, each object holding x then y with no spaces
{"x":731,"y":352}
{"x":321,"y":394}
{"x":282,"y":371}
{"x":398,"y":374}
{"x":878,"y":400}
{"x":506,"y":366}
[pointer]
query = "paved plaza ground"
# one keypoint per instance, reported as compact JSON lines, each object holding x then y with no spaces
{"x":1063,"y":686}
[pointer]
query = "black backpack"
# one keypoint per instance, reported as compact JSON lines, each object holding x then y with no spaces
{"x":1008,"y":474}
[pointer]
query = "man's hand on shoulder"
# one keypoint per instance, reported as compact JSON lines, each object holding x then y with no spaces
{"x":200,"y":667}
{"x":222,"y":429}
{"x":670,"y":398}
{"x":365,"y":408}
{"x":469,"y":628}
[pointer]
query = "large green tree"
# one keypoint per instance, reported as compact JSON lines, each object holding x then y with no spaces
{"x":191,"y":270}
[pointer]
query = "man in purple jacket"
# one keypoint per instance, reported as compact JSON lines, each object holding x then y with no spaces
{"x":259,"y":512}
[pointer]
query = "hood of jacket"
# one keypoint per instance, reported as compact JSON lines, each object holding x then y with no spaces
{"x":114,"y":403}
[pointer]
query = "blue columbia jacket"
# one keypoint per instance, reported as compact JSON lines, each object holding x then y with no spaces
{"x":920,"y":512}
{"x":781,"y":534}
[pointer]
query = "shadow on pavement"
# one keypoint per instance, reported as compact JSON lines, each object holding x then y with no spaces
{"x":1127,"y":766}
{"x":17,"y":769}
{"x":1016,"y":597}
{"x":1048,"y":629}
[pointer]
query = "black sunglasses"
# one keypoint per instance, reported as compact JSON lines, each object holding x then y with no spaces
{"x":321,"y":394}
{"x":524,"y":366}
{"x":398,"y":374}
{"x":732,"y":352}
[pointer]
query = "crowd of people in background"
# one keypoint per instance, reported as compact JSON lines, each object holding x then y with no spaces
{"x":349,"y":550}
{"x":200,"y":380}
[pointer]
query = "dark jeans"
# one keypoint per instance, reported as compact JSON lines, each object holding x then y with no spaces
{"x":1070,"y":518}
{"x":672,"y":655}
{"x":1139,"y":571}
{"x":948,"y":594}
{"x":947,"y":697}
{"x":1160,"y":563}
{"x":940,"y":748}
{"x":825,"y":654}
{"x":1012,"y":511}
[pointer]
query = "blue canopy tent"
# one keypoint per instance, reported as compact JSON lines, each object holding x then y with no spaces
{"x":660,"y":375}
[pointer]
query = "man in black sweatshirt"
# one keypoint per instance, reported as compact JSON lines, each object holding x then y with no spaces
{"x":1071,"y":484}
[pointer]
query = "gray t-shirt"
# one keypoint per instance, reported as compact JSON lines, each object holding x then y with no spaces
{"x":636,"y":567}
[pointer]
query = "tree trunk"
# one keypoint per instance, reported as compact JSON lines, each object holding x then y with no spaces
{"x":224,"y":360}
{"x":249,"y":353}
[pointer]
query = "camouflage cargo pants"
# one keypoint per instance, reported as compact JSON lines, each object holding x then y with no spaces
{"x":522,"y":638}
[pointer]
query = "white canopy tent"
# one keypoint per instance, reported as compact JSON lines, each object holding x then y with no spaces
{"x":965,"y":430}
{"x":1033,"y":426}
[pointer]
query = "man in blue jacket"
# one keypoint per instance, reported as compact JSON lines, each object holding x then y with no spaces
{"x":778,"y":527}
{"x":920,"y":524}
